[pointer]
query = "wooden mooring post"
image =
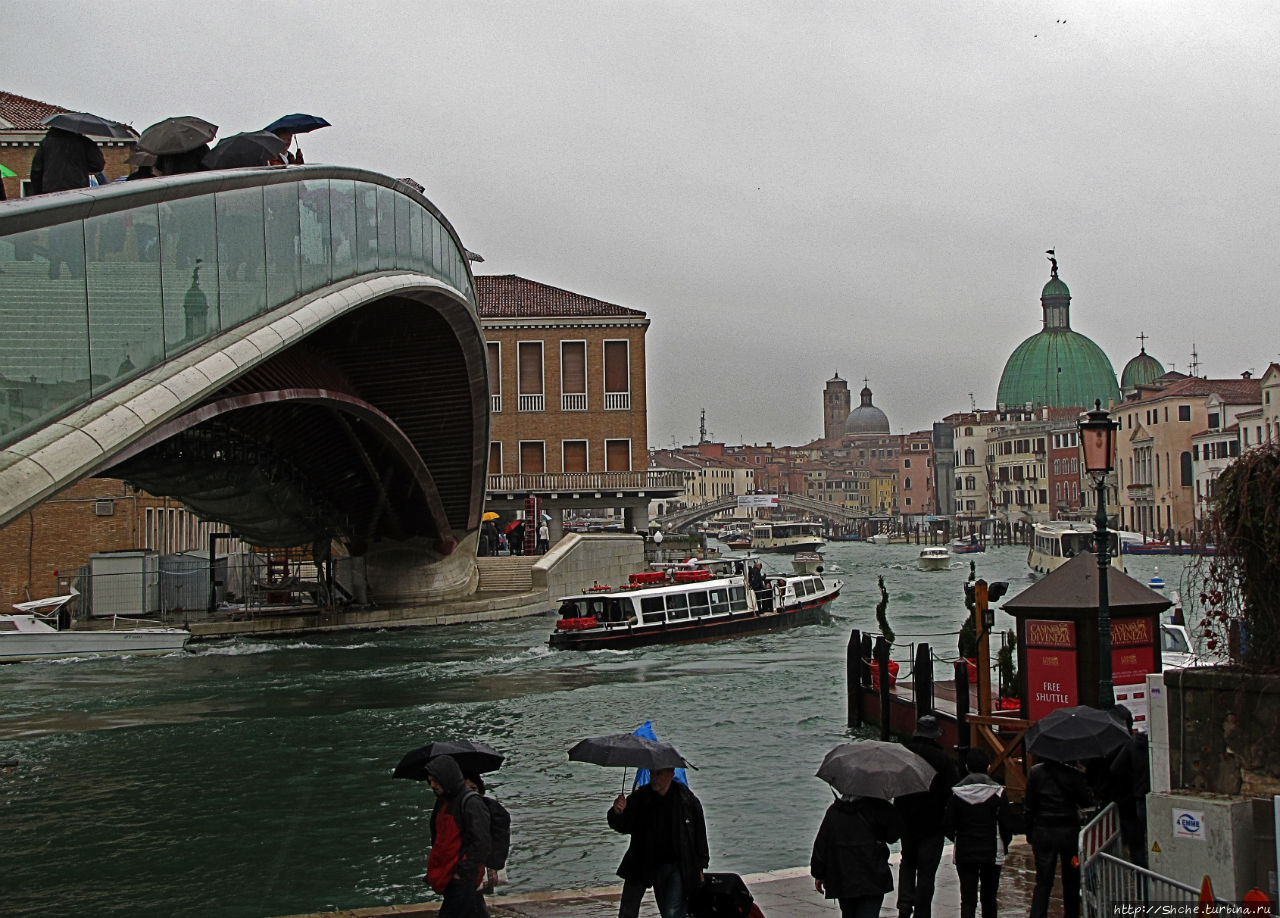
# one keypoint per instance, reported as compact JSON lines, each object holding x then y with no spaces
{"x":882,"y":668}
{"x":962,"y":709}
{"x":922,"y":679}
{"x":853,"y":676}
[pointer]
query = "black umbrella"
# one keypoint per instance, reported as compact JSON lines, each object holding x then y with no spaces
{"x":90,"y":125}
{"x":253,"y":148}
{"x":179,"y":134}
{"x":472,"y":757}
{"x":1075,"y":734}
{"x":297,"y":123}
{"x":871,"y":768}
{"x":629,"y":750}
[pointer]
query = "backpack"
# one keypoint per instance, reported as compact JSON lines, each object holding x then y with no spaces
{"x":499,"y":834}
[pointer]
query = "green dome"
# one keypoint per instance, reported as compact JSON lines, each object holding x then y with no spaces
{"x":1060,"y":368}
{"x":1141,"y":371}
{"x":1057,"y":366}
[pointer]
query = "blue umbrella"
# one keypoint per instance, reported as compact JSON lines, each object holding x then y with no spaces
{"x":297,"y":123}
{"x":642,"y":774}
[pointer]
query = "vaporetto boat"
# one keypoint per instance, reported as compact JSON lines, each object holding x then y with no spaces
{"x":690,"y":602}
{"x":788,"y":537}
{"x":1054,"y":544}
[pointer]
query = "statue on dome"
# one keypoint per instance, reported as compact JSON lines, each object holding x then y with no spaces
{"x":1053,"y":261}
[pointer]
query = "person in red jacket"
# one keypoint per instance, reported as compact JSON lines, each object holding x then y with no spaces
{"x":459,"y":840}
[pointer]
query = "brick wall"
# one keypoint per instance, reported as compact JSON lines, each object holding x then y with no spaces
{"x":17,"y":156}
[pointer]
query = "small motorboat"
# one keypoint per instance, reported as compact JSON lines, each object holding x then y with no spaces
{"x":967,"y":546}
{"x":934,"y":559}
{"x":807,"y":562}
{"x":39,"y":630}
{"x":880,"y":538}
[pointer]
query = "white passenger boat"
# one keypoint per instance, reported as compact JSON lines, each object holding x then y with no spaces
{"x":880,"y":538}
{"x":788,"y":537}
{"x":1054,"y":544}
{"x":934,"y":559}
{"x":37,"y":631}
{"x":694,"y":601}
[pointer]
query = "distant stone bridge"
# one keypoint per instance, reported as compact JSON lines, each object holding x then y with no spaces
{"x":827,"y":511}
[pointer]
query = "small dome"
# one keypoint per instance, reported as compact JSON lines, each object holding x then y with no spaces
{"x":866,"y":418}
{"x":1055,"y":287}
{"x":1142,"y":370}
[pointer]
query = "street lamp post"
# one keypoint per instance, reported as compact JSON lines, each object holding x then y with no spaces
{"x":1098,"y":447}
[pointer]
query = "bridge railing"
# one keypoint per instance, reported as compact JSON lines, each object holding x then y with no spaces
{"x":99,"y":286}
{"x":590,"y":482}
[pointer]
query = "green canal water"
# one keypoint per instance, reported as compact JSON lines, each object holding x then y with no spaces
{"x":253,"y":778}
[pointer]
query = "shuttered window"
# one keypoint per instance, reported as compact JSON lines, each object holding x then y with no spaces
{"x":532,"y":461}
{"x":530,"y":367}
{"x":573,"y":367}
{"x":575,"y":455}
{"x":495,"y":369}
{"x":495,"y":458}
{"x":617,"y":455}
{"x":617,"y":378}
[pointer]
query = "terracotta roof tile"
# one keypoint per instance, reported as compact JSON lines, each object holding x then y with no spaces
{"x":25,"y":114}
{"x":1231,"y":391}
{"x":508,"y":296}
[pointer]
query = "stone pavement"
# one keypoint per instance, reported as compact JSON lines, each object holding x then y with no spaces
{"x":779,"y":894}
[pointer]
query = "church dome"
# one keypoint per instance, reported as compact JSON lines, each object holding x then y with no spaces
{"x":1141,"y":371}
{"x":1056,"y":366}
{"x":866,"y":418}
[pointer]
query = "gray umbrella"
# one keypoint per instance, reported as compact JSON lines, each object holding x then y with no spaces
{"x":1075,"y":734}
{"x":180,"y":134}
{"x":627,"y":749}
{"x":870,"y":768}
{"x":252,"y":148}
{"x":90,"y":125}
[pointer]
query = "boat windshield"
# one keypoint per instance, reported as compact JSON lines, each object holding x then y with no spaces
{"x":1174,"y":641}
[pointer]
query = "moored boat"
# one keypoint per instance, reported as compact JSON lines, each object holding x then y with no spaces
{"x":967,"y":547}
{"x":934,"y":559}
{"x":34,"y":632}
{"x":695,"y":601}
{"x":807,"y":562}
{"x":880,"y":538}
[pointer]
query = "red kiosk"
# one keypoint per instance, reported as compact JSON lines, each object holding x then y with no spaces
{"x":1058,"y":635}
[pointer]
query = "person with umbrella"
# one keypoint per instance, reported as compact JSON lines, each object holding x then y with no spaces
{"x":850,"y":860}
{"x":1056,"y":792}
{"x":286,"y":127}
{"x":66,"y":156}
{"x":668,"y":848}
{"x":460,"y":840}
{"x":922,"y":813}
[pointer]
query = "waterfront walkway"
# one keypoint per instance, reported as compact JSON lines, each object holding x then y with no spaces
{"x":779,"y":894}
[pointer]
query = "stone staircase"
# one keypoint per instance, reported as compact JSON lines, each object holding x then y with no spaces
{"x":506,"y":574}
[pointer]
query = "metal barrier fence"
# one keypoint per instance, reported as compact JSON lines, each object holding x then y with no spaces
{"x":1108,"y":881}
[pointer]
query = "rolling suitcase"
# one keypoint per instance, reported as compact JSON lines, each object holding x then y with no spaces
{"x":723,"y":895}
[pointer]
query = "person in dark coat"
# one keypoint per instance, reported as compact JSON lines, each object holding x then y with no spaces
{"x":1130,"y":772}
{"x":921,"y":815}
{"x":182,"y":163}
{"x":1055,"y":794}
{"x":63,"y":161}
{"x":459,"y":840}
{"x":979,"y":820}
{"x":668,"y":849}
{"x":850,"y":861}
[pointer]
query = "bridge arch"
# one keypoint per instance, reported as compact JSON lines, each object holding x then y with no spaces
{"x":355,"y":410}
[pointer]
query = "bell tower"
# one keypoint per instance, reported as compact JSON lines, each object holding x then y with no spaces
{"x":835,"y":408}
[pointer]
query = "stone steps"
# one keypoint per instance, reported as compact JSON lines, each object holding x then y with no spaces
{"x":506,"y":574}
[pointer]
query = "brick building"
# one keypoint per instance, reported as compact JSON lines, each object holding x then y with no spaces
{"x":43,"y":548}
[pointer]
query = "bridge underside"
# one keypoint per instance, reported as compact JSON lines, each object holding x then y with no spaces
{"x":368,"y":430}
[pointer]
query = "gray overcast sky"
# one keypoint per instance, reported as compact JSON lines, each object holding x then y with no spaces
{"x":788,"y":189}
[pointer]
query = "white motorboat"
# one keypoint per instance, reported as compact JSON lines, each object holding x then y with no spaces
{"x":880,"y":538}
{"x":807,"y":562}
{"x":32,"y":632}
{"x":934,"y":559}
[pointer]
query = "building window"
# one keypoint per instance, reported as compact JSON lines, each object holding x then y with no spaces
{"x":533,"y":459}
{"x":1184,"y":412}
{"x":573,"y":376}
{"x":495,"y":376}
{"x":907,"y":485}
{"x":906,"y":463}
{"x":617,"y":376}
{"x":531,"y":390}
{"x":495,"y":458}
{"x":617,"y":455}
{"x":575,"y":455}
{"x":1213,"y":420}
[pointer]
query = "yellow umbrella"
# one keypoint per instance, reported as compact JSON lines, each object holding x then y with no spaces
{"x":489,"y":515}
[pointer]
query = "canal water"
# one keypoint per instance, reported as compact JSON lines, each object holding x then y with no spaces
{"x":252,"y":778}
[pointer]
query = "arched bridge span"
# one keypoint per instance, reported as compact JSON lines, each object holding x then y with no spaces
{"x":822,"y":509}
{"x":294,"y":352}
